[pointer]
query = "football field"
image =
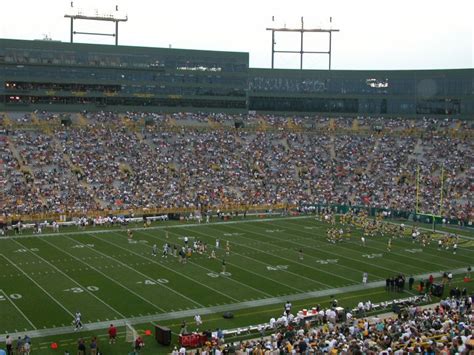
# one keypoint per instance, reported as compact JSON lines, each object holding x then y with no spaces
{"x":45,"y":279}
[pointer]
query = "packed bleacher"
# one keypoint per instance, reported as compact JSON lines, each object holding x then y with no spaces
{"x":444,"y":328}
{"x":106,"y":161}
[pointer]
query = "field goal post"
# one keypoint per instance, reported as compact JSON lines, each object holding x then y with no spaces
{"x":428,"y":218}
{"x":130,"y":333}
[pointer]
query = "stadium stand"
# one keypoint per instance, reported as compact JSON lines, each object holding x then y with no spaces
{"x":437,"y":328}
{"x":116,"y":162}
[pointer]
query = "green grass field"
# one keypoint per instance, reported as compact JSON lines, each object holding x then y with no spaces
{"x":45,"y":279}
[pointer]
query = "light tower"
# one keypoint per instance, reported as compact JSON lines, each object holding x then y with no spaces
{"x":302,"y":31}
{"x":97,"y":17}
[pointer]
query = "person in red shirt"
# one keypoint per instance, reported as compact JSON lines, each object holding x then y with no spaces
{"x":431,"y":279}
{"x":139,"y":343}
{"x":112,"y":334}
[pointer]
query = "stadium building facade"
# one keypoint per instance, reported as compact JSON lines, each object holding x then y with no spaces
{"x":56,"y":76}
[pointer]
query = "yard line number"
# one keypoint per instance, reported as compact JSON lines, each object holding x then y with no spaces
{"x":372,"y":256}
{"x":80,"y":289}
{"x":153,"y":282}
{"x":277,"y":267}
{"x":13,"y":296}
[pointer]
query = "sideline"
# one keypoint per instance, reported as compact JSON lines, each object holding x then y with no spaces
{"x":216,"y":309}
{"x":89,"y":230}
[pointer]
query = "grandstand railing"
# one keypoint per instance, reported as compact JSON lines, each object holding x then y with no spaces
{"x":259,"y":126}
{"x":156,"y":211}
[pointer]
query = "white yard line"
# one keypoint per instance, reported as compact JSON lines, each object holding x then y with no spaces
{"x":230,"y":279}
{"x":18,"y":309}
{"x":310,"y":247}
{"x":294,"y":261}
{"x":306,"y":246}
{"x":407,"y":241}
{"x":273,"y":255}
{"x":139,"y":272}
{"x":74,"y":281}
{"x":250,"y":271}
{"x":90,"y":230}
{"x":105,"y":275}
{"x":383,"y":251}
{"x":230,"y":307}
{"x":39,"y":286}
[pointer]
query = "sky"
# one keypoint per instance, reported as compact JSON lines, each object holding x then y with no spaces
{"x":374,"y":34}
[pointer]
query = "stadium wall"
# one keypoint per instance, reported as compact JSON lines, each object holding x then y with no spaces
{"x":65,"y":77}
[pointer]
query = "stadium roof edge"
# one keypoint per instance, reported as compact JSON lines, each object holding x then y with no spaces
{"x":110,"y":48}
{"x":296,"y":70}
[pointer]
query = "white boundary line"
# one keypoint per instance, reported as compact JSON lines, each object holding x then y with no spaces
{"x":134,"y":270}
{"x":74,"y":281}
{"x":296,"y":243}
{"x":375,"y":241}
{"x":226,"y":307}
{"x":165,"y":267}
{"x":39,"y":286}
{"x":239,"y":267}
{"x":18,"y":309}
{"x":273,"y":255}
{"x":229,"y":278}
{"x":106,"y":276}
{"x":321,"y":250}
{"x":185,"y":225}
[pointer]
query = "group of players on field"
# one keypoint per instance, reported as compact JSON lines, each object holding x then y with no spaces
{"x":341,"y":230}
{"x":184,"y":252}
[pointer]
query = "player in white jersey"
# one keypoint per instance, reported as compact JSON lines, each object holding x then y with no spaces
{"x":198,"y":320}
{"x":365,"y":277}
{"x":77,"y":321}
{"x":154,"y":250}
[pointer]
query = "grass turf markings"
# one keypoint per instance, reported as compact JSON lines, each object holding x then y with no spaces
{"x":328,"y":252}
{"x":106,"y":276}
{"x":39,"y":286}
{"x":266,"y":264}
{"x":375,"y":240}
{"x":234,"y":265}
{"x":9,"y":299}
{"x":85,"y":288}
{"x":333,"y":275}
{"x":147,"y":277}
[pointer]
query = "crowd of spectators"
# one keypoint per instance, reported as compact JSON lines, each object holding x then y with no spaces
{"x":109,"y":164}
{"x":446,"y":328}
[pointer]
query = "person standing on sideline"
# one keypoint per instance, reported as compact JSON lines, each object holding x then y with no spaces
{"x":365,"y":277}
{"x":112,"y":334}
{"x":362,"y":240}
{"x":287,"y":308}
{"x":77,"y":321}
{"x":184,"y":329}
{"x":9,"y":344}
{"x":93,"y":346}
{"x":411,"y":281}
{"x":197,"y":319}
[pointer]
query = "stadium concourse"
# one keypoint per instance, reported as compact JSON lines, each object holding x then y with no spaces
{"x":76,"y":163}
